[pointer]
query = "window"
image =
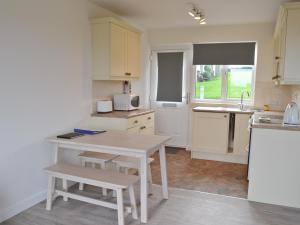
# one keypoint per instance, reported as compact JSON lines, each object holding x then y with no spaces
{"x":223,"y":71}
{"x":223,"y":82}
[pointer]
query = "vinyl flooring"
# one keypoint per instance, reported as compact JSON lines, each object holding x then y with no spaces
{"x":228,"y":179}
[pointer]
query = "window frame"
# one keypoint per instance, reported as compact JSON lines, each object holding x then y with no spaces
{"x":224,"y":91}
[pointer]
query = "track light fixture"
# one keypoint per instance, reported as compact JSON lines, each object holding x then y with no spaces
{"x":197,"y":14}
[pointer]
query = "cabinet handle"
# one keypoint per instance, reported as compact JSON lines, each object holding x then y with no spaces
{"x":225,"y":116}
{"x":136,"y":121}
{"x":128,"y":74}
{"x":277,"y":76}
{"x":143,"y":127}
{"x":277,"y":57}
{"x":149,"y":118}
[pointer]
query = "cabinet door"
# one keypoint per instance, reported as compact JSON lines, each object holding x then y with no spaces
{"x":241,"y":134}
{"x":133,"y":54}
{"x":281,"y":49}
{"x":292,"y":47}
{"x":118,"y":51}
{"x":210,"y":132}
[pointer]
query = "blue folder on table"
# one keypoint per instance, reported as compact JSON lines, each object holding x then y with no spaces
{"x":88,"y":132}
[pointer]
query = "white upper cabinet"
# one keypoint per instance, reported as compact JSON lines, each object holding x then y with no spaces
{"x":116,"y":50}
{"x":287,"y":44}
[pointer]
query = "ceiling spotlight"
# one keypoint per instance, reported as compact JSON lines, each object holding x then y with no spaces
{"x":197,"y":14}
{"x":197,"y":17}
{"x":191,"y":13}
{"x":202,"y":21}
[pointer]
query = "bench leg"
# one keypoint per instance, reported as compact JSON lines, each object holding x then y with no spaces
{"x":126,"y":170}
{"x":120,"y":207}
{"x":132,"y":202}
{"x":118,"y":169}
{"x":104,"y":190}
{"x":65,"y":188}
{"x":149,"y":179}
{"x":81,"y":185}
{"x":51,"y":186}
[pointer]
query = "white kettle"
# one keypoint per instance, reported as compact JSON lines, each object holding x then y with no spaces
{"x":291,"y":114}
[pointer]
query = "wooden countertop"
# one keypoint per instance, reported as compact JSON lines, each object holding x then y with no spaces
{"x":221,"y":110}
{"x":124,"y":114}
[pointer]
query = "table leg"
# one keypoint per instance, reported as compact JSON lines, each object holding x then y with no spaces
{"x":144,"y":187}
{"x":163,"y":171}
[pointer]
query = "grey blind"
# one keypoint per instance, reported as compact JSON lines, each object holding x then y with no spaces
{"x":170,"y":70}
{"x":224,"y":54}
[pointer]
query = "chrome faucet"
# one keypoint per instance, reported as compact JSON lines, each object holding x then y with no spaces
{"x":242,"y":106}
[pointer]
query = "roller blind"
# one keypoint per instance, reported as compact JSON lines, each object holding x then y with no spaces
{"x":224,"y":54}
{"x":170,"y":71}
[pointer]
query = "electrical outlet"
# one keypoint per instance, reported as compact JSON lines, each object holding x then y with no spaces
{"x":295,"y":96}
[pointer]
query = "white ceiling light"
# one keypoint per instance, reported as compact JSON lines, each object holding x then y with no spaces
{"x":202,"y":21}
{"x":191,"y":13}
{"x":197,"y":14}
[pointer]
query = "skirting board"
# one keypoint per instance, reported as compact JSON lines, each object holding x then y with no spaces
{"x":242,"y":159}
{"x":22,"y":205}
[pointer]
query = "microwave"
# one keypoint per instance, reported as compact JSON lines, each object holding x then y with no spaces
{"x":126,"y":102}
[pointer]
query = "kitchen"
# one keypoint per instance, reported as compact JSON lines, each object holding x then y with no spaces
{"x":86,"y":64}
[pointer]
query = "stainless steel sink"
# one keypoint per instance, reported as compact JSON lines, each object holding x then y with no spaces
{"x":268,"y":117}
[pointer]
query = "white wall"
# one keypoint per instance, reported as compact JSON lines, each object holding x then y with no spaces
{"x":266,"y":92}
{"x":45,"y":89}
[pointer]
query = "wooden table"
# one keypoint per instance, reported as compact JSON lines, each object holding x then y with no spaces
{"x":123,"y":143}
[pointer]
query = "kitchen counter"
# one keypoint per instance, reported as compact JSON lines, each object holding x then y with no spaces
{"x":275,"y":126}
{"x":222,"y":110}
{"x":276,"y":121}
{"x":274,"y":162}
{"x":124,"y":114}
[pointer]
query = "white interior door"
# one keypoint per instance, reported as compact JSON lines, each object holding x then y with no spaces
{"x":172,"y":118}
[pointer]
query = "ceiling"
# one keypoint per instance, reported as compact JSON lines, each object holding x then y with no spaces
{"x":173,"y":13}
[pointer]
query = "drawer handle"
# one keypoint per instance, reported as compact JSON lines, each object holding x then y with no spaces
{"x":225,"y":116}
{"x":128,"y":74}
{"x":136,"y":121}
{"x":143,"y":127}
{"x":149,"y":118}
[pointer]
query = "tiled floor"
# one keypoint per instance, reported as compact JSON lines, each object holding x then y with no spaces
{"x":202,"y":175}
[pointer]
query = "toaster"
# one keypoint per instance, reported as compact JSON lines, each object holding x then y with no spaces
{"x":104,"y":106}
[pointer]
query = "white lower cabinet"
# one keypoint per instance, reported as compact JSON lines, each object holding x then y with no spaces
{"x":241,"y":134}
{"x":220,"y":136}
{"x":210,"y":132}
{"x":274,"y":167}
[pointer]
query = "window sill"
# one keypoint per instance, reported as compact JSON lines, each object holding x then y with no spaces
{"x":232,"y":103}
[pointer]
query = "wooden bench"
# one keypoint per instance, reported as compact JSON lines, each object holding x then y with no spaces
{"x":127,"y":162}
{"x":100,"y":178}
{"x":124,"y":162}
{"x":95,"y":158}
